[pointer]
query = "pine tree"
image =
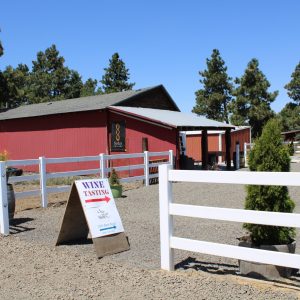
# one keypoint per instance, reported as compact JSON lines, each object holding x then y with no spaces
{"x":213,"y":99}
{"x":89,"y":88}
{"x":293,"y":87}
{"x":269,"y":154}
{"x":14,"y":86}
{"x":116,"y":76}
{"x":1,"y":48}
{"x":252,"y":103}
{"x":50,"y":80}
{"x":290,"y":114}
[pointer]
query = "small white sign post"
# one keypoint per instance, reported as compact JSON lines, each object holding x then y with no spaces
{"x":91,"y":208}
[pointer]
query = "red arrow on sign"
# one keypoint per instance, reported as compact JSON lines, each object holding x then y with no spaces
{"x":106,"y":199}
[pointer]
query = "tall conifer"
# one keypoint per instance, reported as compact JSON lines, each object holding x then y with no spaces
{"x":213,"y":99}
{"x":252,"y":104}
{"x":116,"y":76}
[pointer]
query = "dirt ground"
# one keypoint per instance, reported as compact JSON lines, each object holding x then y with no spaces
{"x":32,"y":267}
{"x":54,"y":199}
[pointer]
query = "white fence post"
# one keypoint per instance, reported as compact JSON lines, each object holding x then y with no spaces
{"x":166,"y":220}
{"x":245,"y":155}
{"x":237,"y":156}
{"x":4,"y":219}
{"x":171,"y":158}
{"x":146,"y":167}
{"x":43,"y":181}
{"x":102,"y":165}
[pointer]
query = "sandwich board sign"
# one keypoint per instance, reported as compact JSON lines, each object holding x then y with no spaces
{"x":91,"y":209}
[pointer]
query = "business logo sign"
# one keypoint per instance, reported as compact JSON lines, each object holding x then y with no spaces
{"x":118,"y":136}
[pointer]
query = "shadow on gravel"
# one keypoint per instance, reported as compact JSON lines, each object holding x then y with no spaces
{"x":15,"y":225}
{"x":226,"y":269}
{"x":210,"y":267}
{"x":83,"y":241}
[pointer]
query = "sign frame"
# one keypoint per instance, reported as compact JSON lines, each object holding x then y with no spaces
{"x":76,"y":224}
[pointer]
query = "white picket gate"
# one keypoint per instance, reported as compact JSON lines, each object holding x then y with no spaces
{"x":43,"y":175}
{"x":168,"y":209}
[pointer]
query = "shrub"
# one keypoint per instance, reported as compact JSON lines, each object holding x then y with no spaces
{"x":269,"y":154}
{"x":291,"y":148}
{"x":114,"y":178}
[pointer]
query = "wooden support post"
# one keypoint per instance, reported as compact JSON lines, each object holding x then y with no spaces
{"x":204,"y":148}
{"x":228,"y":146}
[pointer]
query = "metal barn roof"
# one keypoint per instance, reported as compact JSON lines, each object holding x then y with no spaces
{"x":75,"y":105}
{"x":180,"y":120}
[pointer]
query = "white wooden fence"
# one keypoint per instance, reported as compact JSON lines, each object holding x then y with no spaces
{"x":168,"y":209}
{"x":43,"y":175}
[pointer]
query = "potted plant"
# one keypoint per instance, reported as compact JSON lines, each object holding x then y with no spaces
{"x":269,"y":154}
{"x":10,"y":190}
{"x":114,"y":182}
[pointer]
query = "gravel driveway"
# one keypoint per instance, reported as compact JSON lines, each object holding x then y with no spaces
{"x":31,"y":267}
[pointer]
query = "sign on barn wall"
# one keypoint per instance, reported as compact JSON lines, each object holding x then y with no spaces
{"x":118,"y":136}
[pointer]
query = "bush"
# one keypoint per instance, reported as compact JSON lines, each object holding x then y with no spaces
{"x":269,"y":154}
{"x":114,"y":178}
{"x":291,"y":148}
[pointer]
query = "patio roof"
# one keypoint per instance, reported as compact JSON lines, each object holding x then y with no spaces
{"x":173,"y":119}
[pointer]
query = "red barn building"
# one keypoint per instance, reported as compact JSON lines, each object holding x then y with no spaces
{"x":130,"y":122}
{"x":216,"y":143}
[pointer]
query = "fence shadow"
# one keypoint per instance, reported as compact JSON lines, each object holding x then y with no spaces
{"x":210,"y":267}
{"x":16,"y":227}
{"x":228,"y":269}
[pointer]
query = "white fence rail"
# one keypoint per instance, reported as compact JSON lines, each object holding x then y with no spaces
{"x":168,"y":209}
{"x":43,"y":175}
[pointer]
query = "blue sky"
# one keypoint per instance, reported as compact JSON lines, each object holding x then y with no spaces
{"x":161,"y":42}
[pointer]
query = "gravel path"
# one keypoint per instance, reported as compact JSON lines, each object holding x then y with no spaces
{"x":31,"y":267}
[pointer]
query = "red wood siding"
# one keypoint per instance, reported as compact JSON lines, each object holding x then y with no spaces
{"x":242,"y":136}
{"x":193,"y":145}
{"x":79,"y":134}
{"x":74,"y":134}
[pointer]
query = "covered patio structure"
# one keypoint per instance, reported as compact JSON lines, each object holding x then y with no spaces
{"x":181,"y":122}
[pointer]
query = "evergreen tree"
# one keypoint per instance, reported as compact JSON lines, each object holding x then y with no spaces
{"x":290,"y":116}
{"x":14,"y":83}
{"x":252,"y":103}
{"x":116,"y":76}
{"x":73,"y":85}
{"x":50,"y":80}
{"x":89,"y":88}
{"x":293,"y":87}
{"x":1,"y":48}
{"x":269,"y":154}
{"x":213,"y":99}
{"x":2,"y":79}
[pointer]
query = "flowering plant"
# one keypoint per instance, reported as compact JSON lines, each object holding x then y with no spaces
{"x":9,"y":170}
